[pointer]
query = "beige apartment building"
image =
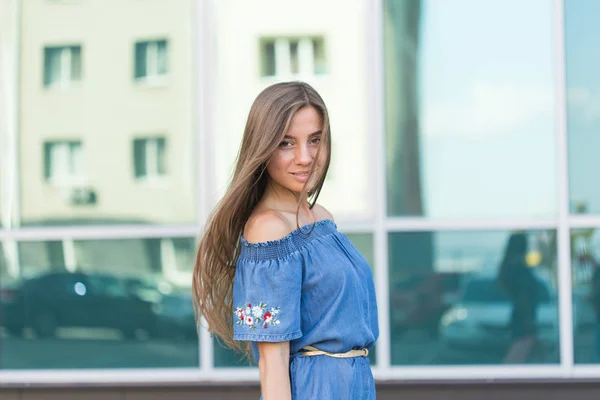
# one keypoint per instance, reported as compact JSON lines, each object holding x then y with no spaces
{"x":106,"y":120}
{"x":102,"y":131}
{"x":107,"y":130}
{"x":260,"y":43}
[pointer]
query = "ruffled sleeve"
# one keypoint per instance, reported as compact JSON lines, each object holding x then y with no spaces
{"x":266,"y":292}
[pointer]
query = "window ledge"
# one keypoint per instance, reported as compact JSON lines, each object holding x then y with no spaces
{"x":152,"y":82}
{"x":154,"y":181}
{"x":63,"y":86}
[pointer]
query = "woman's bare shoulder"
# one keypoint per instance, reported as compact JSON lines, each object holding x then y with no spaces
{"x":321,"y":212}
{"x":266,"y":225}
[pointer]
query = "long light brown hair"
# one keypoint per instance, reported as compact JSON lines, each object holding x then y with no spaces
{"x":268,"y":121}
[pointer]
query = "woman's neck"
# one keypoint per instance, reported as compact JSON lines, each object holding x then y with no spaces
{"x":282,"y":199}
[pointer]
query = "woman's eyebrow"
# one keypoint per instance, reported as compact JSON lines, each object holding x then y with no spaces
{"x":293,"y":138}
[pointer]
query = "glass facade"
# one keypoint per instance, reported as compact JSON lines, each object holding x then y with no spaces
{"x":464,"y":140}
{"x":472,"y":297}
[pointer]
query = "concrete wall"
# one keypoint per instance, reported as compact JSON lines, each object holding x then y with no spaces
{"x":388,"y":391}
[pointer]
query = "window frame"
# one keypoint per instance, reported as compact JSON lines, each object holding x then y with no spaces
{"x":379,"y":226}
{"x":151,"y":60}
{"x":154,"y":158}
{"x":67,"y":56}
{"x":71,"y":165}
{"x":283,"y":60}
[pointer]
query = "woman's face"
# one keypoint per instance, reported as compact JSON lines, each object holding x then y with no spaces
{"x":291,"y":163}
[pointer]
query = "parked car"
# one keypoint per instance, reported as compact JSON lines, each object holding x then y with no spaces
{"x":62,"y":299}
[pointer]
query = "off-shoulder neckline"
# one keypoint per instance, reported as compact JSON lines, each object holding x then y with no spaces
{"x":303,"y":230}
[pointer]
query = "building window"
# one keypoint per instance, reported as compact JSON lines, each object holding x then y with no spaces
{"x":150,"y":59}
{"x":149,"y":157}
{"x":62,"y":65}
{"x":63,"y":161}
{"x":293,"y":56}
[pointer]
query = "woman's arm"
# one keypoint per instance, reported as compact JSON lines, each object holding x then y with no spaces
{"x":274,"y":367}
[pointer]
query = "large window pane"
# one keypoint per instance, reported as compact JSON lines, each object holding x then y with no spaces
{"x":466,"y":297}
{"x":274,"y":44}
{"x":82,"y":110}
{"x":469,"y":108}
{"x":583,"y":97}
{"x":225,"y":357}
{"x":585,"y":273}
{"x":99,"y":304}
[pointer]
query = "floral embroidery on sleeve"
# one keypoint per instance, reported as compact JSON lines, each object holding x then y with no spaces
{"x":256,"y":316}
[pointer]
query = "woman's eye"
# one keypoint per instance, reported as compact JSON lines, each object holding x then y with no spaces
{"x":316,"y":141}
{"x":285,"y":144}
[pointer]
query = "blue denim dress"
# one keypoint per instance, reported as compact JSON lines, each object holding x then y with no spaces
{"x":310,"y":289}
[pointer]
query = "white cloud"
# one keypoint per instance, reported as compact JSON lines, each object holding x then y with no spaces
{"x":488,"y":109}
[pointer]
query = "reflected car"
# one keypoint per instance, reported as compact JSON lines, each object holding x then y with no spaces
{"x":62,"y":299}
{"x":175,"y":316}
{"x":8,"y":295}
{"x":481,"y":318}
{"x":420,"y":299}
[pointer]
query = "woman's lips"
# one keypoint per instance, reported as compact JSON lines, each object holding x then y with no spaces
{"x":301,"y":176}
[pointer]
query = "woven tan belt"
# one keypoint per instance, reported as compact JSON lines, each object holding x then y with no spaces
{"x":313,"y":351}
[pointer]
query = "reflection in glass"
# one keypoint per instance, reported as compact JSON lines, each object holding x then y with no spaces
{"x":121,"y":303}
{"x":583,"y":96}
{"x":473,"y":297}
{"x":469,"y":105}
{"x":90,"y":142}
{"x":62,"y":65}
{"x":276,"y":46}
{"x":225,"y":357}
{"x":585,"y":274}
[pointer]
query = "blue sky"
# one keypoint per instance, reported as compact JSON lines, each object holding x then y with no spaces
{"x":488,"y":103}
{"x":583,"y":94}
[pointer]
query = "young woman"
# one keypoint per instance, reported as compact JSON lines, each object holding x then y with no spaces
{"x":273,"y":275}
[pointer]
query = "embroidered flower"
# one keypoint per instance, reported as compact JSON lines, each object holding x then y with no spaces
{"x":257,"y":312}
{"x":256,"y":316}
{"x":268,"y":317}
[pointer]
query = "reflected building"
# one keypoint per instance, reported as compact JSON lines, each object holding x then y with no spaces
{"x":106,"y":132}
{"x":261,"y":43}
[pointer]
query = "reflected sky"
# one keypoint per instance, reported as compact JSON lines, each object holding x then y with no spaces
{"x":583,"y":100}
{"x":487,"y":108}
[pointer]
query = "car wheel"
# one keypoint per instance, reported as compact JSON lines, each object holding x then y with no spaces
{"x":44,"y":325}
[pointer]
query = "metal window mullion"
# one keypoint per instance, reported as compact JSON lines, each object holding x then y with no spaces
{"x":397,"y":224}
{"x":565,"y":305}
{"x":70,"y":255}
{"x":377,"y":169}
{"x":12,"y":123}
{"x":100,"y":232}
{"x":11,"y":252}
{"x":584,"y":221}
{"x":204,"y":93}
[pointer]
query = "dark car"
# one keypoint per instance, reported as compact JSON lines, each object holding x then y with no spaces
{"x":62,"y":299}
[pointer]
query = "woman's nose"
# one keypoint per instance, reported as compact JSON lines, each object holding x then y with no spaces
{"x":303,"y":155}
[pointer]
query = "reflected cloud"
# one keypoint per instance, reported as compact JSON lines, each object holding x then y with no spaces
{"x":488,"y":109}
